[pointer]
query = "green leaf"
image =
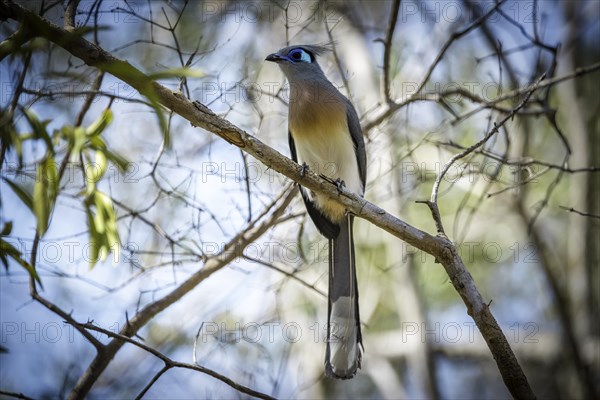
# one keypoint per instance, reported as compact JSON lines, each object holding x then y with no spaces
{"x":104,"y":235}
{"x":98,"y":126}
{"x":99,"y":222}
{"x":121,"y":162}
{"x":97,"y":143}
{"x":9,"y":250}
{"x":39,"y":129}
{"x":66,"y":132}
{"x":125,"y":71}
{"x":162,"y":121}
{"x":95,"y":239}
{"x":45,"y":191}
{"x":82,"y":30}
{"x":6,"y":229}
{"x":145,"y":85}
{"x":23,"y":194}
{"x":110,"y":220}
{"x":94,"y":171}
{"x":77,"y":141}
{"x":177,"y":73}
{"x":9,"y":135}
{"x":101,"y":163}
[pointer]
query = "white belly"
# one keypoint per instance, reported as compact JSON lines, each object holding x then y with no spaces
{"x":331,"y":154}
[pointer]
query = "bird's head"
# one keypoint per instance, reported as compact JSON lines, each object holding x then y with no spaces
{"x":299,"y":59}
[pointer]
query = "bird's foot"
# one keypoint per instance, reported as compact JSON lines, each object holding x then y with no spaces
{"x":303,"y":169}
{"x":340,"y":184}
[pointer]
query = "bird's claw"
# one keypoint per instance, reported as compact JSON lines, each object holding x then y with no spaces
{"x":340,"y":184}
{"x":303,"y":169}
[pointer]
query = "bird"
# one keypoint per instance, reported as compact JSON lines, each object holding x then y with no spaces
{"x":325,"y":136}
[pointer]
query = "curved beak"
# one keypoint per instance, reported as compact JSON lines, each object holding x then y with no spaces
{"x":275,"y":58}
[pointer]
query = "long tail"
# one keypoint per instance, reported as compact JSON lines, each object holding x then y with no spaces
{"x":344,"y":342}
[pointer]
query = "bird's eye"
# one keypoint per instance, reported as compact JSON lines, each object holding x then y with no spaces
{"x":300,"y":55}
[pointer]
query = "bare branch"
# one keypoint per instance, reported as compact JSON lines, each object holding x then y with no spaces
{"x":170,"y":363}
{"x":453,"y":38}
{"x":15,"y":395}
{"x":91,"y":96}
{"x":336,"y":57}
{"x":582,"y":213}
{"x":497,"y":126}
{"x":415,"y":97}
{"x":288,"y":274}
{"x":388,"y":49}
{"x":154,"y":379}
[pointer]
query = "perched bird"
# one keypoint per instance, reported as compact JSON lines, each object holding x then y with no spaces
{"x":325,"y":136}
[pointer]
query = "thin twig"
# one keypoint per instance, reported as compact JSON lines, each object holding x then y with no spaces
{"x":453,"y":38}
{"x":286,"y":273}
{"x":263,"y":222}
{"x":15,"y":395}
{"x":582,"y":213}
{"x":387,"y":49}
{"x":154,"y":379}
{"x":336,"y":57}
{"x":170,"y":363}
{"x":90,"y":97}
{"x":493,"y":131}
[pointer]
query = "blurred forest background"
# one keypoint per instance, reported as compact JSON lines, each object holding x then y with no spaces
{"x":155,"y":200}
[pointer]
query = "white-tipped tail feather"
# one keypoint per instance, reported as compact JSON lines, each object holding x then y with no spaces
{"x":344,"y":343}
{"x":345,"y":351}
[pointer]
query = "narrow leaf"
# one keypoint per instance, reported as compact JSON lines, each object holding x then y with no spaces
{"x":77,"y":141}
{"x":98,"y":126}
{"x":6,"y":229}
{"x":39,"y":129}
{"x":8,"y":249}
{"x":162,"y":121}
{"x":44,"y":192}
{"x":94,"y":239}
{"x":23,"y":194}
{"x":121,"y":162}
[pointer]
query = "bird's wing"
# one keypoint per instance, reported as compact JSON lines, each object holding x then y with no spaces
{"x":359,"y":142}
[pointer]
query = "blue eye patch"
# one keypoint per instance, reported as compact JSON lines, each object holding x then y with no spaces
{"x":299,"y":55}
